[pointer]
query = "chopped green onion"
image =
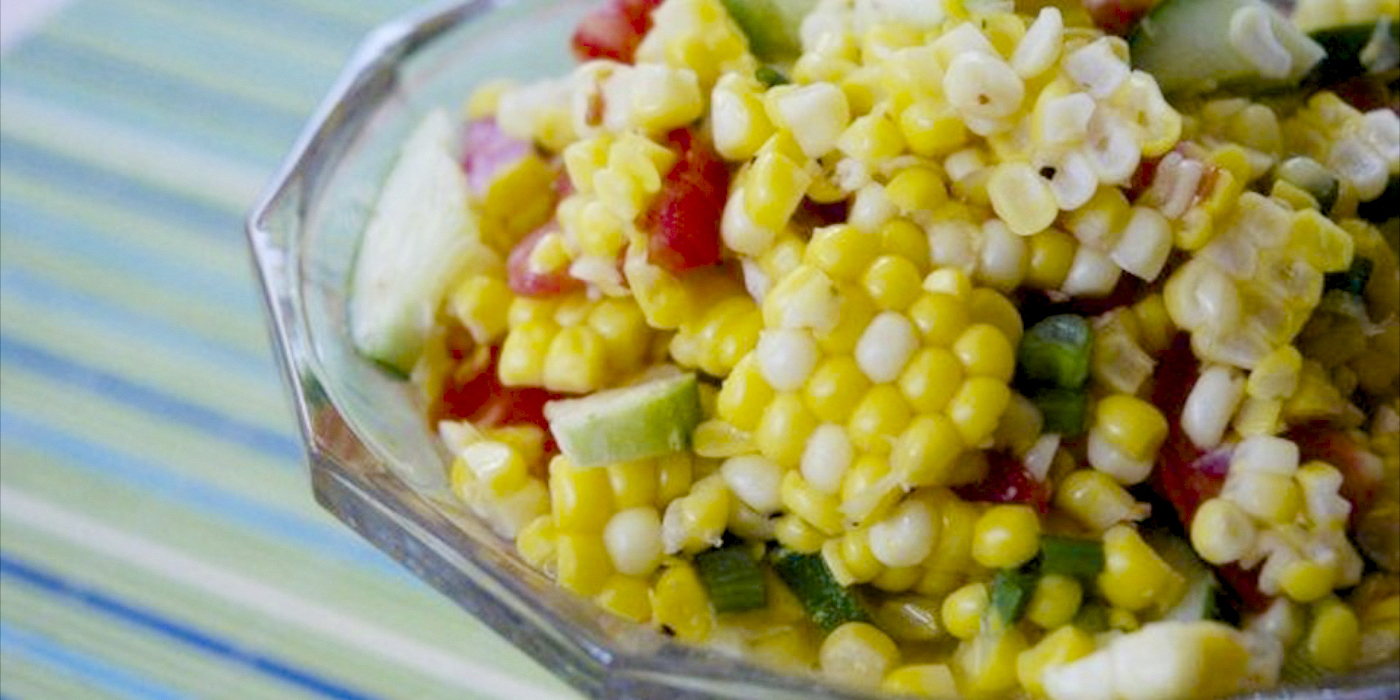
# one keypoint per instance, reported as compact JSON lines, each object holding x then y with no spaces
{"x":1056,"y":351}
{"x":1064,"y":410}
{"x":1353,"y":279}
{"x":1071,"y":556}
{"x":828,"y":603}
{"x":733,"y":579}
{"x":1011,"y":593}
{"x":770,"y":76}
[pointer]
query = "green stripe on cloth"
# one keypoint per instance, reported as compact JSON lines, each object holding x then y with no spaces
{"x":158,"y":538}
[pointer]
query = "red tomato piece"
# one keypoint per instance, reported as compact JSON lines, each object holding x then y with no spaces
{"x":683,"y":221}
{"x":527,"y":282}
{"x":1362,"y":470}
{"x":1007,"y":481}
{"x":483,"y":400}
{"x":614,"y":30}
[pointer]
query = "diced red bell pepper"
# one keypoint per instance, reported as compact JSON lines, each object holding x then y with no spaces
{"x":683,"y":221}
{"x":486,"y":149}
{"x":526,"y":282}
{"x":1007,"y":481}
{"x":614,"y":30}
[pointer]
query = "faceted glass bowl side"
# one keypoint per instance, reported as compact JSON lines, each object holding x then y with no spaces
{"x":373,"y":461}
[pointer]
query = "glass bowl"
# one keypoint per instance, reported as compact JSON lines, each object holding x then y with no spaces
{"x":373,"y":461}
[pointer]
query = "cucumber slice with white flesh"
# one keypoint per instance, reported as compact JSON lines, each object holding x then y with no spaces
{"x":628,"y":423}
{"x":771,"y":25}
{"x":1203,"y":45}
{"x":421,"y":235}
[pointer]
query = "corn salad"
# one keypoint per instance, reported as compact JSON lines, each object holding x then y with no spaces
{"x":1012,"y":377}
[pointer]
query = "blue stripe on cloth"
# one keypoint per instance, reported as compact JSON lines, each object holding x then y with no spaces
{"x":102,"y":462}
{"x":179,"y":98}
{"x":119,"y":189}
{"x":155,"y":402}
{"x":66,"y":661}
{"x":18,"y":283}
{"x":72,"y":238}
{"x":175,"y":630}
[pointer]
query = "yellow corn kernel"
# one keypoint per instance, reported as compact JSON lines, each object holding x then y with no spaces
{"x":898,"y":580}
{"x":1096,"y":500}
{"x":922,"y":680}
{"x":841,"y":251}
{"x":962,"y":610}
{"x":1022,"y":198}
{"x":1221,"y":532}
{"x":498,"y":470}
{"x":773,"y":188}
{"x":834,"y":388}
{"x":951,"y":561}
{"x":1099,"y":223}
{"x":941,"y":318}
{"x":862,"y":500}
{"x":784,"y":257}
{"x":990,"y":306}
{"x":977,"y":407}
{"x":932,"y":129}
{"x":1306,"y":580}
{"x":744,"y":395}
{"x":633,"y":483}
{"x":582,"y":564}
{"x":679,"y":603}
{"x":879,"y":417}
{"x":854,"y":312}
{"x":871,"y":138}
{"x":795,"y":533}
{"x":1134,"y":425}
{"x":576,"y":361}
{"x":1276,"y":374}
{"x":854,"y":549}
{"x":916,"y":188}
{"x":673,"y":477}
{"x":985,"y":351}
{"x":627,"y":597}
{"x":930,"y":379}
{"x":1123,"y":621}
{"x":1006,"y":536}
{"x":1322,"y":243}
{"x":822,"y":511}
{"x":857,"y":653}
{"x":696,"y":521}
{"x":1055,"y":601}
{"x":951,"y":280}
{"x":584,"y":158}
{"x":481,"y":304}
{"x":536,"y":541}
{"x":927,"y":451}
{"x":782,"y":433}
{"x":1067,"y":643}
{"x":1051,"y":254}
{"x":524,"y":353}
{"x":892,"y":282}
{"x":987,"y":662}
{"x":1134,"y":576}
{"x":1334,"y":635}
{"x":1156,"y":329}
{"x":738,"y":121}
{"x":904,"y":238}
{"x":580,"y":498}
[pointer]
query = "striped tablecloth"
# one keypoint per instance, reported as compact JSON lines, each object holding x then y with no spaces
{"x":158,"y":538}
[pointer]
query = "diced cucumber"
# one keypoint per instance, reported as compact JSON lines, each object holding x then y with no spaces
{"x":1064,"y":410}
{"x":771,"y":25}
{"x":421,"y":235}
{"x":1203,"y":45}
{"x":1056,"y":351}
{"x":628,"y":423}
{"x":828,"y":603}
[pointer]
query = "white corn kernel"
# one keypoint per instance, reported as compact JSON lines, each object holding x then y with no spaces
{"x":1091,"y":274}
{"x":1210,"y":405}
{"x":1003,"y":256}
{"x":786,"y":357}
{"x":885,"y":347}
{"x":633,"y":540}
{"x":815,"y":114}
{"x":1265,"y":454}
{"x":1041,"y":45}
{"x":826,"y":457}
{"x":904,"y":537}
{"x":1145,"y":244}
{"x":1097,"y":68}
{"x":1112,"y":460}
{"x":982,"y":86}
{"x":754,"y":480}
{"x":1074,"y":181}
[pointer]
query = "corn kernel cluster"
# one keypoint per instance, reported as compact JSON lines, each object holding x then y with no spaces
{"x":916,"y":173}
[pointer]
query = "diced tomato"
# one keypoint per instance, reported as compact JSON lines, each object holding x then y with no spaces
{"x":483,"y":400}
{"x":683,"y":221}
{"x":1117,"y":16}
{"x":1361,"y":469}
{"x":486,"y":149}
{"x":527,"y":282}
{"x":1142,"y":178}
{"x":613,"y":30}
{"x":1007,"y":481}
